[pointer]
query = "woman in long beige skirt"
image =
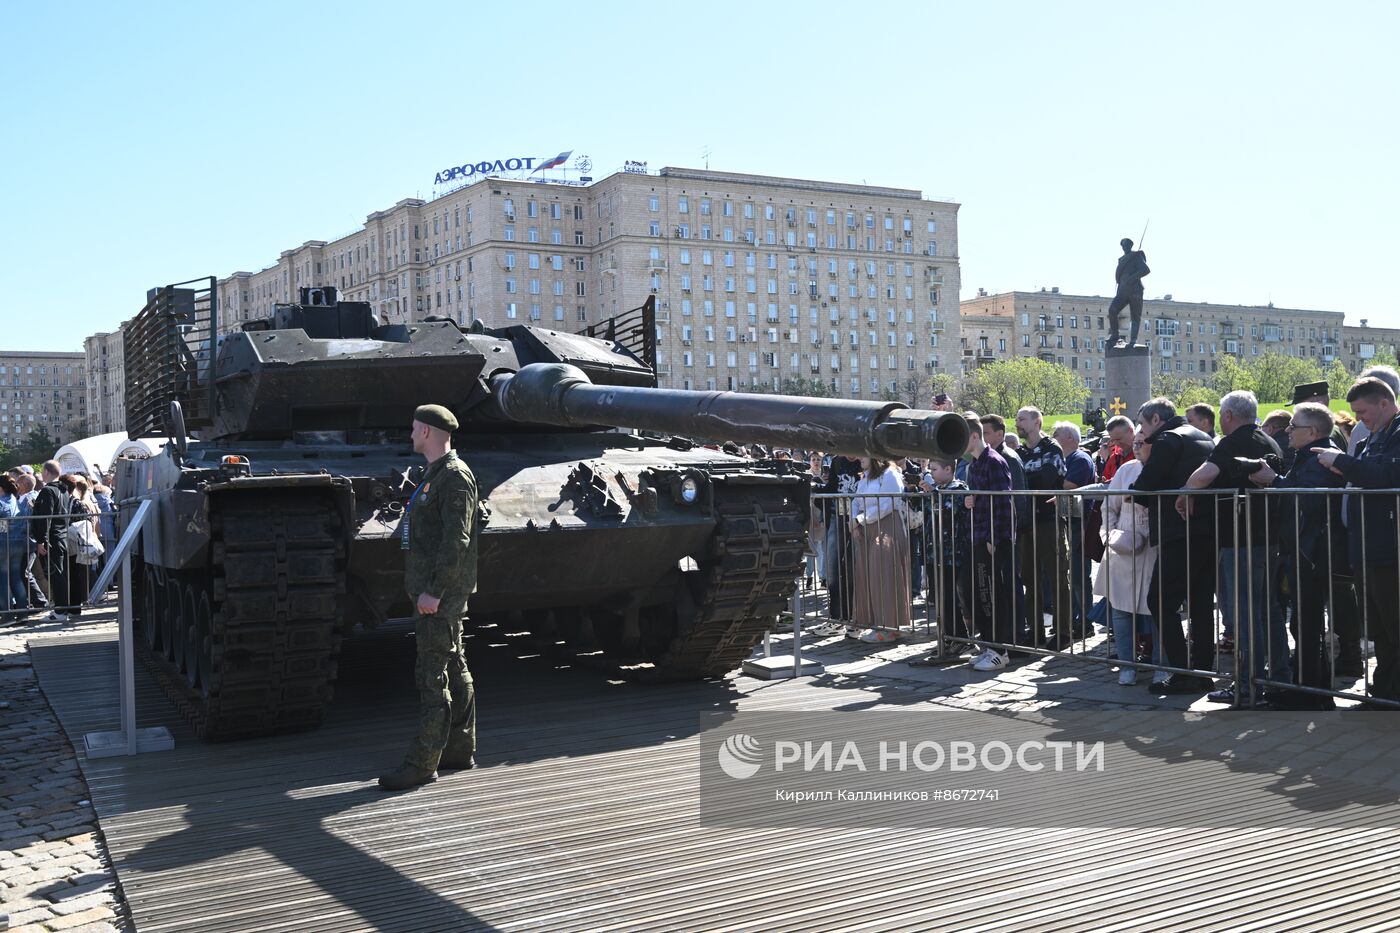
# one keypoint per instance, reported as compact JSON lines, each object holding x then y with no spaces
{"x":880,"y":552}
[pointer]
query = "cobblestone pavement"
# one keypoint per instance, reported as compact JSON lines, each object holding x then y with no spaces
{"x":55,"y":873}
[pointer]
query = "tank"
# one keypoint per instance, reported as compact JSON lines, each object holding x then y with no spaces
{"x":605,"y":525}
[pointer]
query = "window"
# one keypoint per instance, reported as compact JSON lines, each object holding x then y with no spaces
{"x":683,"y":205}
{"x":653,"y":203}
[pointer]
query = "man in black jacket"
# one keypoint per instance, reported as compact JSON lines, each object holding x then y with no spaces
{"x":1185,"y":571}
{"x":1244,"y":537}
{"x":994,"y":435}
{"x":1044,"y":557}
{"x":1371,"y":524}
{"x":48,"y":534}
{"x":1312,"y":546}
{"x":842,"y":477}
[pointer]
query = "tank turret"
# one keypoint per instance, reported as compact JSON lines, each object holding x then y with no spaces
{"x":326,"y":365}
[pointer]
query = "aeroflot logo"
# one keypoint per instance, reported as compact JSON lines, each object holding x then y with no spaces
{"x":531,"y":164}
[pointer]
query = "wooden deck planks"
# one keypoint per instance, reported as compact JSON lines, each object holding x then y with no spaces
{"x":583,"y":816}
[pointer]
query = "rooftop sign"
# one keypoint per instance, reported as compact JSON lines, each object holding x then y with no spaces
{"x":471,"y":171}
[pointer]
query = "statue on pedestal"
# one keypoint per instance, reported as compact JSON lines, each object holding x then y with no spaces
{"x":1132,"y":266}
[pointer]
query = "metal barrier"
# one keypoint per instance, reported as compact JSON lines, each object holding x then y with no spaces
{"x":1192,"y":586}
{"x":45,"y":564}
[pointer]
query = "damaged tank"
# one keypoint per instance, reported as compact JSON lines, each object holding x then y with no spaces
{"x":275,"y":532}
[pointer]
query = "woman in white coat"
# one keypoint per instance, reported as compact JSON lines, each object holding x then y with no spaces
{"x":1125,"y":573}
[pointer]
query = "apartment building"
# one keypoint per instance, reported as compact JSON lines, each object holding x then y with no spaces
{"x":758,"y":279}
{"x":106,"y":386}
{"x":42,"y":391}
{"x":1187,"y":338}
{"x":1361,"y":344}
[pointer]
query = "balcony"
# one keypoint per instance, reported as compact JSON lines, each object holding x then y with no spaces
{"x":937,"y":327}
{"x":1044,"y":327}
{"x":658,"y":265}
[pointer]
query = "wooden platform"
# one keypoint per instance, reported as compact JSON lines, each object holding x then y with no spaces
{"x":583,"y":816}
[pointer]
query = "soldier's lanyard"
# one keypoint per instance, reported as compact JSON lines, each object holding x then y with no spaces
{"x":403,"y":525}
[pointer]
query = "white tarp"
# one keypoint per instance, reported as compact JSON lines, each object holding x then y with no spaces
{"x":95,"y":455}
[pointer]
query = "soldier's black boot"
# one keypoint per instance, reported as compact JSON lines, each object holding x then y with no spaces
{"x":457,"y":761}
{"x":406,"y":777}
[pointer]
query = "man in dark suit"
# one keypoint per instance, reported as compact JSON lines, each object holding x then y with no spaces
{"x":1185,"y":571}
{"x":1371,"y":523}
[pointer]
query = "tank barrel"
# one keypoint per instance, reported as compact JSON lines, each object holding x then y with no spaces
{"x":560,"y":394}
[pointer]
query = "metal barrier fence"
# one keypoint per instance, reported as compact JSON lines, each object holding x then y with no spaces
{"x":49,"y":563}
{"x":1192,"y":586}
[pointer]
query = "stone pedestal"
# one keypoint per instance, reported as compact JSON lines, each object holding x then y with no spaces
{"x":1128,"y":377}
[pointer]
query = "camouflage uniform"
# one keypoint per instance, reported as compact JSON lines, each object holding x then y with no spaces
{"x":441,"y":561}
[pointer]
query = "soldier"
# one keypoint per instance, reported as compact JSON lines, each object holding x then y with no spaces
{"x":1132,"y":266}
{"x":440,"y":574}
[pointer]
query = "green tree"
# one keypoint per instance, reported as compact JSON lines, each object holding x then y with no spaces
{"x":1182,"y":390}
{"x":1339,"y":380}
{"x":792,"y":385}
{"x":801,"y":385}
{"x":1275,"y":375}
{"x":36,"y":447}
{"x":1006,"y":386}
{"x":1385,"y":356}
{"x":1231,"y":376}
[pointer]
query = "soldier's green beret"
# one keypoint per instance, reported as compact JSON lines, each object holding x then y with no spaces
{"x":435,"y":416}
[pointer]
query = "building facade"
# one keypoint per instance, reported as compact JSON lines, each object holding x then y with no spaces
{"x":759,"y":280}
{"x":106,"y":387}
{"x":42,"y":391}
{"x":1186,"y":338}
{"x":1361,"y":344}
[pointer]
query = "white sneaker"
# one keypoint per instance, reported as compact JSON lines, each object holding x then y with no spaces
{"x":53,"y":617}
{"x":1127,"y":677}
{"x":1159,"y":677}
{"x":992,"y":660}
{"x":879,"y":636}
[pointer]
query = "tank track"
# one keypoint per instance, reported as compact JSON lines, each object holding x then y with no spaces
{"x":760,"y":539}
{"x":261,"y":658}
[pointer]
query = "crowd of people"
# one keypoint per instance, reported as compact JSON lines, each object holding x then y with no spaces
{"x":1154,"y":532}
{"x":55,"y":528}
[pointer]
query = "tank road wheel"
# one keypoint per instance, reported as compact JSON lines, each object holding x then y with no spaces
{"x":204,"y":649}
{"x":180,"y":630}
{"x":150,"y":609}
{"x":196,"y":664}
{"x":169,"y":617}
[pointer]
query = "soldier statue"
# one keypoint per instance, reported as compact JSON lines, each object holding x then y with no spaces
{"x":1132,"y":266}
{"x":440,"y":538}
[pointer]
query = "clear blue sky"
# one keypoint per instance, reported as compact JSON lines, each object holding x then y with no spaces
{"x":152,"y":142}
